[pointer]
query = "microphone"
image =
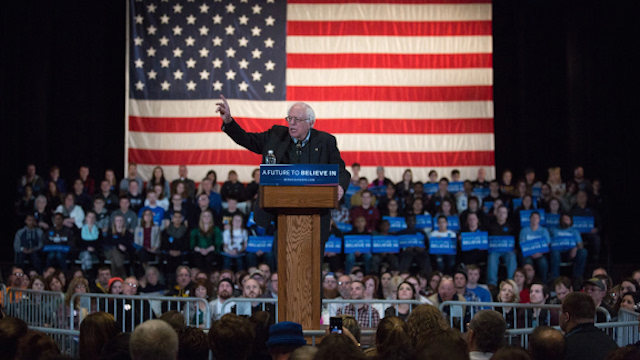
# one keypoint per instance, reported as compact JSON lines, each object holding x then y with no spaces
{"x":299,"y":149}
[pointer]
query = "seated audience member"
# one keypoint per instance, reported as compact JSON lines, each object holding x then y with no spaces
{"x":445,"y":263}
{"x":16,"y":280}
{"x":102,"y":216}
{"x":447,"y":292}
{"x":581,"y":208}
{"x":359,"y":228}
{"x":501,"y":227}
{"x":356,"y":199}
{"x":379,"y":185}
{"x":494,"y":195}
{"x":482,"y":291}
{"x":190,"y":185}
{"x":32,"y":179}
{"x":73,"y":214}
{"x":367,"y":210}
{"x":42,"y":213}
{"x":628,"y":285}
{"x":225,"y":292}
{"x":472,"y":225}
{"x":183,"y":282}
{"x":193,"y":344}
{"x":162,"y":201}
{"x":87,"y":181}
{"x":508,"y":294}
{"x":178,"y":205}
{"x":460,"y":281}
{"x":234,"y":244}
{"x":110,"y":199}
{"x":365,"y":316}
{"x":90,"y":243}
{"x":206,"y":241}
{"x":485,"y":334}
{"x":130,"y":217}
{"x":175,"y":243}
{"x":252,"y":188}
{"x":520,"y":278}
{"x":230,"y":212}
{"x":135,"y":196}
{"x":473,"y":207}
{"x":384,"y":200}
{"x":132,"y":176}
{"x":538,"y":295}
{"x":77,"y":285}
{"x":215,"y":200}
{"x":251,"y":289}
{"x":554,"y":180}
{"x":110,"y":176}
{"x":442,"y":344}
{"x":563,"y":287}
{"x":506,"y":184}
{"x":339,"y":347}
{"x":37,"y":345}
{"x":95,"y":331}
{"x":229,"y":338}
{"x":597,"y":290}
{"x":146,"y":238}
{"x":532,"y":232}
{"x":117,"y":245}
{"x":157,"y":178}
{"x":11,"y":331}
{"x":154,"y":340}
{"x":582,"y":339}
{"x":153,"y":206}
{"x":404,"y":188}
{"x":440,"y":196}
{"x":101,"y":284}
{"x":511,"y":352}
{"x":284,"y":338}
{"x":530,"y":179}
{"x":546,"y":343}
{"x":578,"y":254}
{"x":462,"y":198}
{"x":202,"y":204}
{"x":406,"y":291}
{"x":418,"y":193}
{"x":204,"y":290}
{"x":81,"y":196}
{"x":28,"y":243}
{"x":232,"y":188}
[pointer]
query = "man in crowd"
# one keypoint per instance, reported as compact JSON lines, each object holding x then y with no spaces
{"x":546,"y":343}
{"x":578,"y":254}
{"x":441,"y":195}
{"x":135,"y":196}
{"x":494,"y":194}
{"x":101,"y":285}
{"x":460,"y":281}
{"x":462,"y":198}
{"x":190,"y":185}
{"x":538,"y":295}
{"x":481,"y":181}
{"x":28,"y":243}
{"x":582,"y":339}
{"x":272,"y":287}
{"x":592,"y":238}
{"x":446,"y":291}
{"x":231,"y":337}
{"x":501,"y":227}
{"x":110,"y":199}
{"x":597,"y":290}
{"x":158,"y":212}
{"x":252,"y":290}
{"x":215,"y":200}
{"x":580,"y":180}
{"x":356,"y":199}
{"x":132,"y":176}
{"x":344,"y":289}
{"x":481,"y":291}
{"x":365,"y":315}
{"x":368,"y":211}
{"x":485,"y":334}
{"x":82,"y":198}
{"x":225,"y":292}
{"x":59,"y":235}
{"x":378,"y":186}
{"x":15,"y":281}
{"x":87,"y":181}
{"x":563,"y":287}
{"x":284,"y":338}
{"x":154,"y":340}
{"x":130,"y":217}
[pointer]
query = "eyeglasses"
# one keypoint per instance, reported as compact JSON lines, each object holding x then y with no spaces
{"x":344,"y":282}
{"x":133,"y":285}
{"x":294,"y":120}
{"x":18,"y":274}
{"x":80,"y":286}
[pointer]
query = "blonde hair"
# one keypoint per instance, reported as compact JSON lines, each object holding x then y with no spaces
{"x":516,"y":291}
{"x":424,"y":318}
{"x":394,"y":283}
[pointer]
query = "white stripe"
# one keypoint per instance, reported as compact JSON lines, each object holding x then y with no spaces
{"x":389,"y":44}
{"x":346,"y":142}
{"x":389,"y":77}
{"x":198,"y":172}
{"x":388,"y":12}
{"x":323,"y":109}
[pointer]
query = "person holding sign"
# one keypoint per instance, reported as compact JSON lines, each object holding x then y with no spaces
{"x":445,"y":262}
{"x":534,"y":243}
{"x":299,"y":143}
{"x":592,"y":236}
{"x":567,"y":243}
{"x":472,"y":230}
{"x":501,"y":232}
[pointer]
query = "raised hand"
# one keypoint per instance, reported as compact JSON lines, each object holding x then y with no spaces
{"x":224,"y":110}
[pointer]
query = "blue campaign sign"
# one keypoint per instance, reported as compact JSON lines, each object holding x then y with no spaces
{"x":352,"y":189}
{"x":526,"y":214}
{"x":384,"y":244}
{"x":299,"y":174}
{"x":56,"y":248}
{"x":259,"y":243}
{"x":357,"y":243}
{"x":334,"y":244}
{"x":482,"y":192}
{"x":474,"y":240}
{"x":501,"y":244}
{"x":453,"y":222}
{"x":456,"y":187}
{"x":424,"y":221}
{"x":583,"y":224}
{"x":431,"y":188}
{"x":536,"y":192}
{"x":378,"y":191}
{"x":563,"y":243}
{"x":552,"y":220}
{"x":344,"y":227}
{"x":537,"y":245}
{"x":443,"y":246}
{"x":487,"y":205}
{"x":397,"y":223}
{"x":517,"y":202}
{"x":406,"y":241}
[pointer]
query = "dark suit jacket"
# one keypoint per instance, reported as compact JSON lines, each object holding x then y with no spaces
{"x":323,"y":150}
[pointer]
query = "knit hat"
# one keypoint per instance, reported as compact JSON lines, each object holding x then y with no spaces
{"x":111,"y":281}
{"x":225,"y":280}
{"x":286,"y":333}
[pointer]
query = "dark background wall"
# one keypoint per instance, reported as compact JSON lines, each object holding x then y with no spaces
{"x":565,"y":93}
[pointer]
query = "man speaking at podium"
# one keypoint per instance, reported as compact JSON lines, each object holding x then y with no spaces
{"x":300,"y":143}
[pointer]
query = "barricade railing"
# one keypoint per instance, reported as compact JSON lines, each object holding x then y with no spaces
{"x":133,"y":310}
{"x":67,"y":340}
{"x":244,"y":306}
{"x":627,"y":334}
{"x":349,"y":306}
{"x":36,"y":308}
{"x":3,"y":294}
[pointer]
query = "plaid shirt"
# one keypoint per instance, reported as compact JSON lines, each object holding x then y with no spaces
{"x":362,"y":315}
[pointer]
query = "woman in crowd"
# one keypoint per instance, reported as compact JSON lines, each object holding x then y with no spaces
{"x":205,"y":241}
{"x":404,"y":188}
{"x":146,"y":238}
{"x":628,"y":285}
{"x":73,"y":214}
{"x":371,"y":285}
{"x":201,"y":289}
{"x":53,"y":283}
{"x":383,"y":289}
{"x":508,"y":294}
{"x":78,"y":285}
{"x":90,"y":241}
{"x":392,"y":336}
{"x":520,"y":278}
{"x":434,"y":281}
{"x":110,"y":176}
{"x":95,"y":331}
{"x":161,"y":200}
{"x":392,"y":209}
{"x":157,"y":178}
{"x":117,"y":244}
{"x":558,"y":188}
{"x":384,"y":199}
{"x":235,"y":243}
{"x":178,"y":204}
{"x":446,"y":208}
{"x":42,"y":213}
{"x":406,"y":291}
{"x":211,"y":174}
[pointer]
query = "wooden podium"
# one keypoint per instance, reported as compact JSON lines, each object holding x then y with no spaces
{"x":299,"y":248}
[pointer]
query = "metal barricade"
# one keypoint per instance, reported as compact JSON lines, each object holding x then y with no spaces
{"x":3,"y":295}
{"x":36,"y":308}
{"x":131,"y":311}
{"x":627,"y":331}
{"x":244,"y":306}
{"x":67,"y":340}
{"x":346,"y":306}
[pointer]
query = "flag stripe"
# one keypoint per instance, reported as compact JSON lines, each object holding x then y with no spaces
{"x":333,"y":126}
{"x":388,"y":12}
{"x":389,"y":44}
{"x":390,"y":93}
{"x":389,"y":1}
{"x":384,"y":61}
{"x":244,"y":157}
{"x":389,"y":28}
{"x":323,"y":109}
{"x":389,"y":77}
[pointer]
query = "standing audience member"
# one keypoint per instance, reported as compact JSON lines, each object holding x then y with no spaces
{"x":284,"y":338}
{"x":425,"y":319}
{"x":546,"y":343}
{"x":582,"y":339}
{"x":442,"y":345}
{"x":481,"y":291}
{"x":28,"y":243}
{"x":193,"y":344}
{"x":485,"y":334}
{"x":95,"y":331}
{"x":154,"y":340}
{"x":229,"y":338}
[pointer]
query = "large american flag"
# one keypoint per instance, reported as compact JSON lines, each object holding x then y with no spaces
{"x":406,"y":84}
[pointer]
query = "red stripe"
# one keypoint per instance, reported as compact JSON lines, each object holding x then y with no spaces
{"x":333,"y":126}
{"x":390,"y":61}
{"x":389,"y":93}
{"x":389,"y":1}
{"x":389,"y":28}
{"x":244,"y":157}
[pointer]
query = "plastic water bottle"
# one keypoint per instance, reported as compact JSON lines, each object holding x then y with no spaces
{"x":271,"y":158}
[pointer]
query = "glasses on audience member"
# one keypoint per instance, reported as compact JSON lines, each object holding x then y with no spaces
{"x":133,"y":285}
{"x":18,"y":274}
{"x":294,"y":120}
{"x":80,"y":286}
{"x":344,"y":282}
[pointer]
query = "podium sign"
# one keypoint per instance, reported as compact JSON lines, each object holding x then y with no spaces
{"x":299,"y":175}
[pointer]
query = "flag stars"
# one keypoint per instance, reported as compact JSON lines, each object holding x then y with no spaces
{"x":256,"y":31}
{"x":217,"y":86}
{"x":269,"y":43}
{"x":217,"y":41}
{"x":191,"y":20}
{"x":190,"y":41}
{"x":178,"y":75}
{"x":138,"y":41}
{"x":204,"y":75}
{"x":139,"y":19}
{"x":256,"y":76}
{"x":191,"y":86}
{"x":244,"y":20}
{"x":231,"y":75}
{"x":177,"y":52}
{"x":270,"y":21}
{"x":177,"y":30}
{"x":270,"y":65}
{"x":165,"y":63}
{"x":152,"y":74}
{"x":217,"y":19}
{"x":204,"y":52}
{"x":229,"y":30}
{"x":269,"y":88}
{"x":151,"y":30}
{"x":191,"y":64}
{"x":177,"y":8}
{"x":230,"y":8}
{"x":165,"y":85}
{"x":139,"y":85}
{"x":204,"y":31}
{"x":164,"y":41}
{"x":204,"y":8}
{"x":256,"y":9}
{"x":243,"y":86}
{"x":151,"y":52}
{"x":164,"y":19}
{"x":243,"y":42}
{"x":139,"y":63}
{"x":271,"y":1}
{"x":152,"y":8}
{"x":244,"y":64}
{"x":256,"y":53}
{"x":230,"y":52}
{"x":217,"y":63}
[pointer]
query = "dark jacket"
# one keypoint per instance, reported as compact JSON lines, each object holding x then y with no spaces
{"x":586,"y":341}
